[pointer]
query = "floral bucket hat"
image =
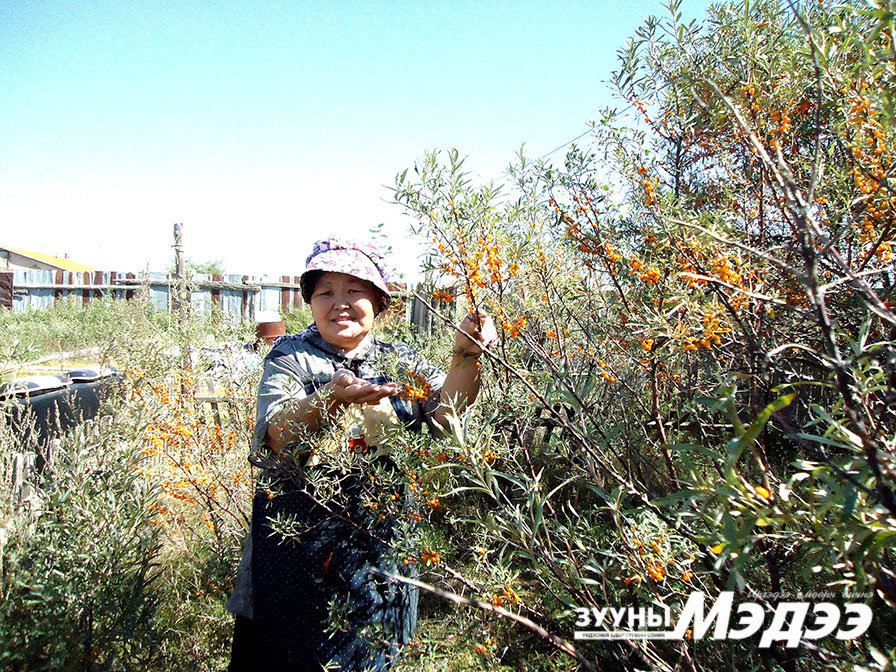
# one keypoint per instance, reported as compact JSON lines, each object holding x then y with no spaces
{"x":338,"y":255}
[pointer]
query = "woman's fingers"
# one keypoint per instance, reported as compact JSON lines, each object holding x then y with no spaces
{"x":366,"y":393}
{"x":343,"y":378}
{"x":350,"y":389}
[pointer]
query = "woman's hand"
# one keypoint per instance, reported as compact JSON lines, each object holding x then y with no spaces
{"x":312,"y":411}
{"x":477,"y":333}
{"x":347,"y":388}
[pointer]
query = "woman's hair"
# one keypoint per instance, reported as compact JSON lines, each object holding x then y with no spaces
{"x":309,"y":280}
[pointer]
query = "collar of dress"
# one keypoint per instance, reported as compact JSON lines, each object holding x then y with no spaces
{"x":362,"y":352}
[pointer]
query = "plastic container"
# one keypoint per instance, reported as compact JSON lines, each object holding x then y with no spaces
{"x":42,"y":408}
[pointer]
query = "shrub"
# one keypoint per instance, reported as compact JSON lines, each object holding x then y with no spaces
{"x":78,"y":570}
{"x":695,"y":377}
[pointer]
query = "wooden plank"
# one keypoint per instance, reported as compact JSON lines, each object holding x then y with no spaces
{"x":6,"y":285}
{"x":57,"y":294}
{"x":98,"y":281}
{"x":85,"y":294}
{"x":284,"y":295}
{"x":216,"y":292}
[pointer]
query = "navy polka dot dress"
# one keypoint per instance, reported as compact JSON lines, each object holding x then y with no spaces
{"x":308,"y":601}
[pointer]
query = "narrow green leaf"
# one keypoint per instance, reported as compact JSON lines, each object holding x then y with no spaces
{"x":737,"y":446}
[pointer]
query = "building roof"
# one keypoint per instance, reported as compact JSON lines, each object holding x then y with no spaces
{"x":59,"y":262}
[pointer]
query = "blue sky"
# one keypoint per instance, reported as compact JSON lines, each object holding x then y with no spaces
{"x":263,"y":126}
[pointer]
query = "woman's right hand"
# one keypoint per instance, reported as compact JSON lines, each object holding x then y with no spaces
{"x":347,"y":388}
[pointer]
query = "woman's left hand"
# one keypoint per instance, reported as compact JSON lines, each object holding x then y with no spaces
{"x":479,"y":333}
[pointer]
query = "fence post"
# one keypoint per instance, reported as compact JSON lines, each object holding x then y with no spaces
{"x":179,"y":295}
{"x":57,"y":293}
{"x":85,"y":293}
{"x":284,"y":295}
{"x":216,"y":292}
{"x":129,"y":294}
{"x":98,"y":281}
{"x":6,"y":286}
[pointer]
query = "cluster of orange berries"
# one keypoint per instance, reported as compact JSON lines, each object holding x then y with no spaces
{"x":611,"y":253}
{"x":482,"y":649}
{"x":639,"y":105}
{"x":782,"y":121}
{"x":416,"y":389}
{"x":651,"y":276}
{"x":162,"y":511}
{"x":513,"y":329}
{"x":712,"y":327}
{"x":444,"y":296}
{"x":430,"y":557}
{"x":869,"y":147}
{"x":689,"y":269}
{"x":649,"y":191}
{"x":507,"y":594}
{"x":180,"y":440}
{"x":478,"y":265}
{"x":654,"y":562}
{"x":723,"y":270}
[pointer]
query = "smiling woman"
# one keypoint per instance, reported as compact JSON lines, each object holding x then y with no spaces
{"x":326,"y":385}
{"x":343,"y":307}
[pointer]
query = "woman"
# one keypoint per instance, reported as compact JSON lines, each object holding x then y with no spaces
{"x":290,"y":591}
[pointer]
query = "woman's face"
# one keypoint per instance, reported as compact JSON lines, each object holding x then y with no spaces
{"x":343,"y":308}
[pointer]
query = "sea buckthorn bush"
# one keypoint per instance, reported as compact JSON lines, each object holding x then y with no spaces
{"x":694,"y":384}
{"x":125,"y":556}
{"x":693,"y":387}
{"x":76,"y":587}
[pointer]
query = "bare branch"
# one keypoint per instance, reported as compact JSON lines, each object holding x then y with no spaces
{"x":561,"y":644}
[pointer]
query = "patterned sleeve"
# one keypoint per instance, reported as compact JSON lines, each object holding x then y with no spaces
{"x":282,"y":382}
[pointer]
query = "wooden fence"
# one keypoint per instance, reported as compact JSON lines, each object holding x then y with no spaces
{"x":237,"y":296}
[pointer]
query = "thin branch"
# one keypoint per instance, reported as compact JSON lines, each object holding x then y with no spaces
{"x":741,"y":246}
{"x":739,"y":290}
{"x":561,"y":644}
{"x":817,"y":158}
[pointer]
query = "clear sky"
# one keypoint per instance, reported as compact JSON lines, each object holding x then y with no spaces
{"x":262,"y":126}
